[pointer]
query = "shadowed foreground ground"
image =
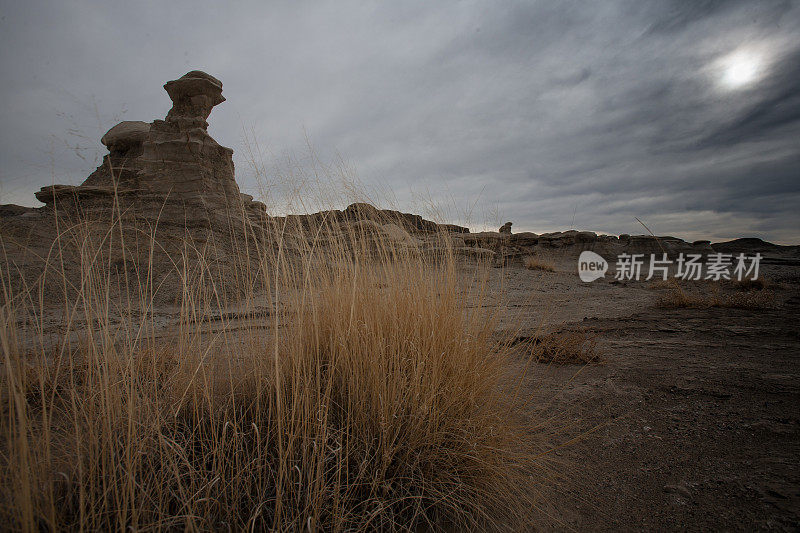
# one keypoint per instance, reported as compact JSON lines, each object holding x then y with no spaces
{"x":698,"y":415}
{"x":692,"y":423}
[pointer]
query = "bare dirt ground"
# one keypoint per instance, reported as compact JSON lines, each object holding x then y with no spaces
{"x":692,"y":423}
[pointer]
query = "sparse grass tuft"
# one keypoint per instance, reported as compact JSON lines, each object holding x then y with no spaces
{"x":539,"y":263}
{"x":566,"y":347}
{"x":750,"y":284}
{"x":695,"y":298}
{"x":662,"y":284}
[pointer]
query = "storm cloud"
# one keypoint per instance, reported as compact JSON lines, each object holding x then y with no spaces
{"x":548,"y":114}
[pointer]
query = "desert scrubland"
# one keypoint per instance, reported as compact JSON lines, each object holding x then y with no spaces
{"x":173,"y":357}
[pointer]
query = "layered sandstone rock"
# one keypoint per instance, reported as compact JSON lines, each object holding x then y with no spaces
{"x":512,"y":247}
{"x":163,"y":205}
{"x":413,"y":224}
{"x":165,"y":190}
{"x":169,"y":168}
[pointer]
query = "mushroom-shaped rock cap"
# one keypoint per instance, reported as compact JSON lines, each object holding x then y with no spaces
{"x":126,"y":134}
{"x":195,"y":83}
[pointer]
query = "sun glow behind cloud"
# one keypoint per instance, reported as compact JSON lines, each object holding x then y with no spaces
{"x":740,"y":69}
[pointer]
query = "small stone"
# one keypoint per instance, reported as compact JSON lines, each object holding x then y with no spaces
{"x":681,"y":490}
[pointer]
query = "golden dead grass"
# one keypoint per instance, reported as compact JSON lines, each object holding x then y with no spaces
{"x":750,"y":284}
{"x":539,"y":263}
{"x":662,"y":284}
{"x":712,"y":295}
{"x":365,"y":394}
{"x":564,"y":347}
{"x":706,"y":295}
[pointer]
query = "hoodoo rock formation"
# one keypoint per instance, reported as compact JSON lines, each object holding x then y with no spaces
{"x":165,"y":195}
{"x":170,"y":168}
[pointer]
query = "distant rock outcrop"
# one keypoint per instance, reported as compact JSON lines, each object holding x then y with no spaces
{"x":411,"y":223}
{"x":509,"y":247}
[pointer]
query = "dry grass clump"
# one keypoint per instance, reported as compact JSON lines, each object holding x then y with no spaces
{"x":567,"y":347}
{"x":367,"y":397}
{"x":539,"y":263}
{"x":662,"y":284}
{"x":750,"y":284}
{"x":703,"y":298}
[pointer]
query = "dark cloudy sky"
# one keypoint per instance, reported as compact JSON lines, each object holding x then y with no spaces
{"x":683,"y":113}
